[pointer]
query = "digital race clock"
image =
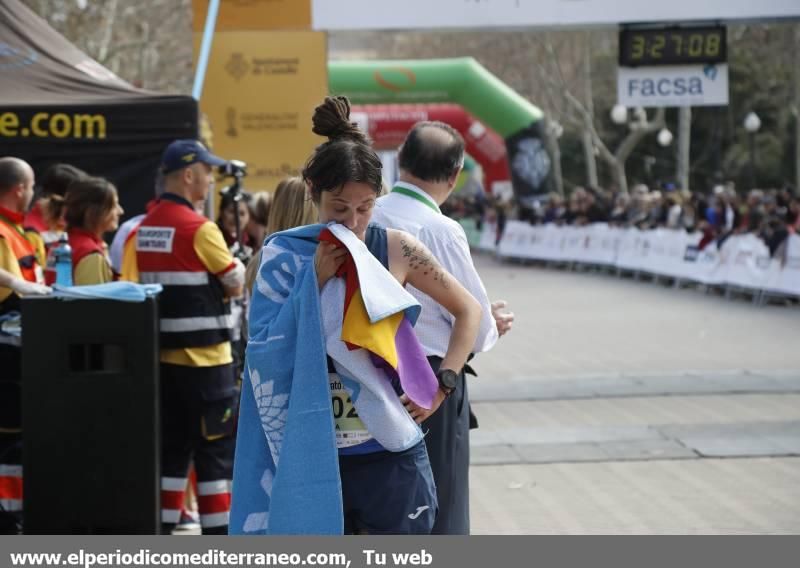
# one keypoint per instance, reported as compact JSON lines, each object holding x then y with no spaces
{"x":672,"y":46}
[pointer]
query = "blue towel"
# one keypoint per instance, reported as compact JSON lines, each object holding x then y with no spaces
{"x":285,"y":416}
{"x":286,"y":470}
{"x":121,"y":291}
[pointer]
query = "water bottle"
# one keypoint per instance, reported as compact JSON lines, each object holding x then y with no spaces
{"x":63,"y":254}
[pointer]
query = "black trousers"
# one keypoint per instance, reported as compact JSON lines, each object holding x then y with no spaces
{"x":447,"y":439}
{"x":198,"y":418}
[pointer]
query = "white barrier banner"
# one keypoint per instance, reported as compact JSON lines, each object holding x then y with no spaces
{"x":488,"y":237}
{"x":743,"y":260}
{"x":748,"y":262}
{"x":784,"y":271}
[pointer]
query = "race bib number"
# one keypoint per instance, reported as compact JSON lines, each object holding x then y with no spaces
{"x":350,"y":430}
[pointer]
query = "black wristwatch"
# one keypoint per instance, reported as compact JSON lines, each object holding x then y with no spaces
{"x":447,"y":380}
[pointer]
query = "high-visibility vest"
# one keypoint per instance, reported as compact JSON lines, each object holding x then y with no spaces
{"x":23,"y":249}
{"x":193,"y":310}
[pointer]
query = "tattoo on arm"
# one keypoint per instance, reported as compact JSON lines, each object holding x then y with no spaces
{"x":420,"y":260}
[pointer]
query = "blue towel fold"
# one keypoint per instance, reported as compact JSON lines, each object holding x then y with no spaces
{"x":120,"y":291}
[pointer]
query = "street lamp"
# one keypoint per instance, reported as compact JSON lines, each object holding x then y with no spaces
{"x":555,"y":129}
{"x":664,"y":137}
{"x":752,"y":124}
{"x":619,"y":114}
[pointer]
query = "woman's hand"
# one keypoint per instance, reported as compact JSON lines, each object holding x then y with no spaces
{"x":418,"y":413}
{"x":327,"y":261}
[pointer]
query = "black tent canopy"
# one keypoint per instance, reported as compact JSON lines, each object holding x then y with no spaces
{"x":59,"y":105}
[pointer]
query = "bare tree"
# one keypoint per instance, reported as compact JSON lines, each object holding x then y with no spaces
{"x":588,"y":97}
{"x":149,"y":44}
{"x":580,"y":112}
{"x":684,"y":146}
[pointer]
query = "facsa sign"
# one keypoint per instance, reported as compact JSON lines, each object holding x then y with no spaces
{"x":675,"y":86}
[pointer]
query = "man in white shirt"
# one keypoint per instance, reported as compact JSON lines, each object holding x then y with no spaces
{"x":430,"y":160}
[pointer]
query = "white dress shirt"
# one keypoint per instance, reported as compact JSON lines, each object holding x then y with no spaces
{"x":447,"y":241}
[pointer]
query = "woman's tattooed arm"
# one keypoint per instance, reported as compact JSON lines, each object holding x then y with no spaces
{"x":421,"y":259}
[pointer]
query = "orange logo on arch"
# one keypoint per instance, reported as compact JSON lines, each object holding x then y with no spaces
{"x":395,"y":84}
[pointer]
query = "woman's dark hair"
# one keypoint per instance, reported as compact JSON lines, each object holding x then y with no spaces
{"x":54,"y":206}
{"x":346,"y":156}
{"x":53,"y":187}
{"x":228,"y":201}
{"x":57,"y":179}
{"x":88,"y":201}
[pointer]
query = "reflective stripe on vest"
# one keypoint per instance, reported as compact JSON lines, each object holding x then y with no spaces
{"x":174,"y":278}
{"x":195,"y":324}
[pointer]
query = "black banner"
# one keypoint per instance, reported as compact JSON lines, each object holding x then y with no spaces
{"x":530,"y":163}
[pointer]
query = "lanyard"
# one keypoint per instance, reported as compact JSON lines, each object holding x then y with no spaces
{"x":417,"y":196}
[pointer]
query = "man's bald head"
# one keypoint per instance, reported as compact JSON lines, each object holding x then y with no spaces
{"x":432,"y":152}
{"x":16,"y":183}
{"x":13,"y":172}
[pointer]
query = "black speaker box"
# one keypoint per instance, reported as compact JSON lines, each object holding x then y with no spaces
{"x":90,"y":416}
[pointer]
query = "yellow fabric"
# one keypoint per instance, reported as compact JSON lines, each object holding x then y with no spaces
{"x":130,"y":270}
{"x":209,"y":356}
{"x":93,"y":268}
{"x":38,"y":244}
{"x":209,"y":244}
{"x":8,"y":262}
{"x":378,"y":338}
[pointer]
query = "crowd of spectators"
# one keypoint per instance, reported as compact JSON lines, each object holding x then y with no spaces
{"x":769,"y":214}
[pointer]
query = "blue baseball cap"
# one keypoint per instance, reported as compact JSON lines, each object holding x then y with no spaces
{"x":182,"y":153}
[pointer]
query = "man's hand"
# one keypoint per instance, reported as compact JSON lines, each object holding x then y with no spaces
{"x":233,"y":280}
{"x":504,"y":320}
{"x":327,"y":261}
{"x":25,"y":288}
{"x":418,"y":413}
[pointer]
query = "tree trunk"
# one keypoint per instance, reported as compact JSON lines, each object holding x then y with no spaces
{"x":108,"y":33}
{"x":796,"y":72}
{"x":621,"y":177}
{"x":558,"y":177}
{"x":684,"y":146}
{"x":588,"y":145}
{"x":591,"y":163}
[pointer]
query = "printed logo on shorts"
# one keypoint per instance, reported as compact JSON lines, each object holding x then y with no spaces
{"x":155,"y":239}
{"x":420,"y":510}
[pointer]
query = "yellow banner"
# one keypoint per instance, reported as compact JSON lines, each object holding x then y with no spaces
{"x":255,"y":15}
{"x":260,"y":92}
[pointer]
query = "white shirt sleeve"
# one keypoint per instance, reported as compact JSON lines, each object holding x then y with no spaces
{"x":455,"y":256}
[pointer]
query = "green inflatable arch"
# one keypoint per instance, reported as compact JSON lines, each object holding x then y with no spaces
{"x":463,"y":81}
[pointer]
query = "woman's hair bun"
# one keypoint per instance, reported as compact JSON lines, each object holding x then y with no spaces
{"x":332,"y":120}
